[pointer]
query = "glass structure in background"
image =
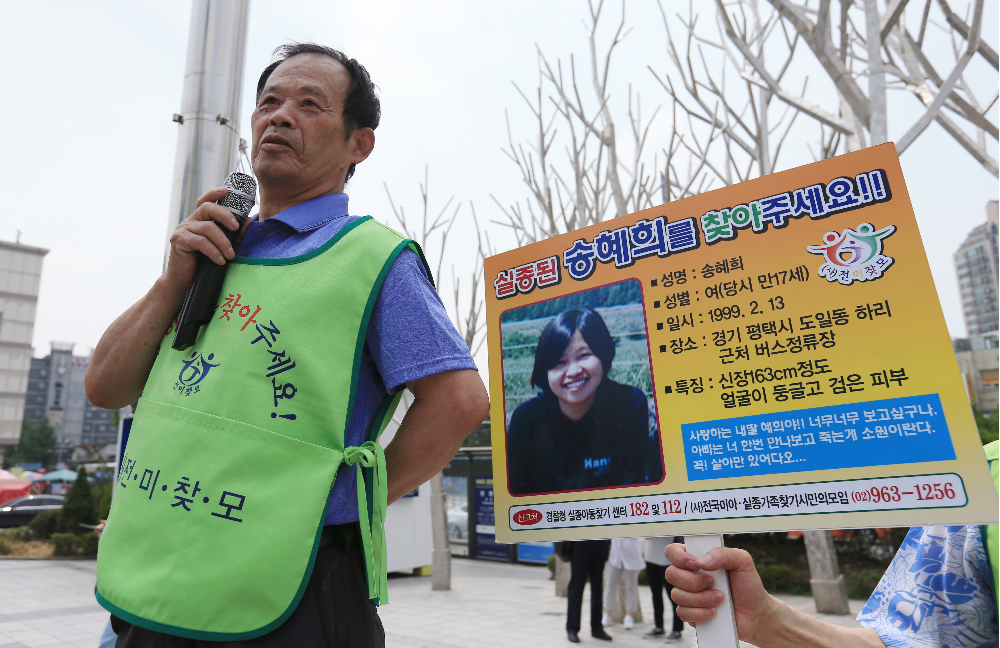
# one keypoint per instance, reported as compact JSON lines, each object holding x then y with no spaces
{"x":20,"y":278}
{"x":468,"y":487}
{"x":55,"y":393}
{"x":976,"y":264}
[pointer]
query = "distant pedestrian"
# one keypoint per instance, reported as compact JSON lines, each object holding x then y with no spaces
{"x":656,"y":565}
{"x":625,"y":561}
{"x":587,"y":558}
{"x":108,"y":636}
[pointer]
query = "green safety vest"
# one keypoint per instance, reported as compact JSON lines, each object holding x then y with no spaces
{"x":236,"y":443}
{"x":990,"y":531}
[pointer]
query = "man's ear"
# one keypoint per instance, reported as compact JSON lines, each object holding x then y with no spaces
{"x":363,"y":142}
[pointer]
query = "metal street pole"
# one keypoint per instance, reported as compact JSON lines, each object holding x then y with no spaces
{"x":441,"y":556}
{"x":209,"y":119}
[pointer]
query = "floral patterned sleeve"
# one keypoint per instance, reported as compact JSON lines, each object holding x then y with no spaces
{"x":937,"y":593}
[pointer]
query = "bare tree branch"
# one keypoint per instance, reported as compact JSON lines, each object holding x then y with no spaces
{"x":469,"y":320}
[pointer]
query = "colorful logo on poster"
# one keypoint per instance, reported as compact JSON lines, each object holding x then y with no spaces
{"x":854,"y":255}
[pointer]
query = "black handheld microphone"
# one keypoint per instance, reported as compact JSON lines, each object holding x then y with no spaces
{"x":203,"y":295}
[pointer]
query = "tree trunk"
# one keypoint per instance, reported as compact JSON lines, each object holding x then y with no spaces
{"x":828,"y":588}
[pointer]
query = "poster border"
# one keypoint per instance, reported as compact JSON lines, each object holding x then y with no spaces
{"x":652,"y":379}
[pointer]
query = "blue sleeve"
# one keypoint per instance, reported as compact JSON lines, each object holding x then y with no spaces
{"x":937,"y":592}
{"x":410,"y":335}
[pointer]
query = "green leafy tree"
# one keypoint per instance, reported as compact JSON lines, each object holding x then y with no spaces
{"x":988,"y":425}
{"x":38,"y":445}
{"x":79,"y":507}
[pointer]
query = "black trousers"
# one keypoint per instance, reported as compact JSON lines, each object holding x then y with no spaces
{"x":657,"y":582}
{"x":587,"y":558}
{"x":334,"y":611}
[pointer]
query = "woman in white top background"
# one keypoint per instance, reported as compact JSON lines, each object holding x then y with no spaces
{"x":625,"y":560}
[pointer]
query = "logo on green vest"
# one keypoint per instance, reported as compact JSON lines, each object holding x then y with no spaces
{"x":193,"y":372}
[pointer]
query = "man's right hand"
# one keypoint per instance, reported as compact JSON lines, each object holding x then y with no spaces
{"x":123,"y":358}
{"x":198,"y":233}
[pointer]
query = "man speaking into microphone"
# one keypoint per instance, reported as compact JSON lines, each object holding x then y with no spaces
{"x":252,"y":494}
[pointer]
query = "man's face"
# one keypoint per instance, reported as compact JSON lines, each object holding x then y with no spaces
{"x":299,"y":135}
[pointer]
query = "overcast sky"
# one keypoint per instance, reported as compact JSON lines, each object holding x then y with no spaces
{"x":89,"y":89}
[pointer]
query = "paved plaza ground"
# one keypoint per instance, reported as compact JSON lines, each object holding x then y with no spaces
{"x":50,"y":603}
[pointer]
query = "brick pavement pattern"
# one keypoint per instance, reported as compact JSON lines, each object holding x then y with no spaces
{"x":50,"y":603}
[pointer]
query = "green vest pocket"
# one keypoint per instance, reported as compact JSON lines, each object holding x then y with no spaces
{"x":200,"y":501}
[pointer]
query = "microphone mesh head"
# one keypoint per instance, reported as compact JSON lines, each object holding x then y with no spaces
{"x":241,"y":182}
{"x":242,"y":193}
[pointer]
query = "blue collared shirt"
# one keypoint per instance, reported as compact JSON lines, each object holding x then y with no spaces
{"x":409,"y":336}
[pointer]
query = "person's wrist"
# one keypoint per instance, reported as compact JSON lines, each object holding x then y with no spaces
{"x":168,"y":295}
{"x":774,"y":617}
{"x":170,"y":286}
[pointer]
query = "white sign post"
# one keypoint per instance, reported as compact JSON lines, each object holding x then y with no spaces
{"x":720,"y":632}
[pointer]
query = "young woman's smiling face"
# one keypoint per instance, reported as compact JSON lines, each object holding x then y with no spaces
{"x":575,"y":378}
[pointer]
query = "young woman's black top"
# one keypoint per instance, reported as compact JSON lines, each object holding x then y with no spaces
{"x":610,"y":446}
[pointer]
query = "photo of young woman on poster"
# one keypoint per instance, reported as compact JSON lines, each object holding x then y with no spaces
{"x":584,"y":430}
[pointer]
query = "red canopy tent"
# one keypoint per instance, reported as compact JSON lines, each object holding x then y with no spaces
{"x":12,"y":489}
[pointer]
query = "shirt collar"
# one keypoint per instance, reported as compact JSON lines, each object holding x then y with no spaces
{"x":314,"y":213}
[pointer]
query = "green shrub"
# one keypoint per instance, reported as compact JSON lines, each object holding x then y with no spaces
{"x":45,"y":524}
{"x":552,"y":567}
{"x":9,"y":538}
{"x":70,"y":544}
{"x":643,"y":578}
{"x":862,"y":582}
{"x":17,"y":534}
{"x":66,"y":544}
{"x":104,"y":506}
{"x":988,"y":425}
{"x":88,"y":544}
{"x":79,"y":506}
{"x":778,"y":579}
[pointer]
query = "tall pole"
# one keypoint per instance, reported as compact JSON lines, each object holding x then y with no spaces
{"x":209,"y":119}
{"x":441,"y":557}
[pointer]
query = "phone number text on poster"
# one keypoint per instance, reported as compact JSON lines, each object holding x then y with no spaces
{"x":852,"y":496}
